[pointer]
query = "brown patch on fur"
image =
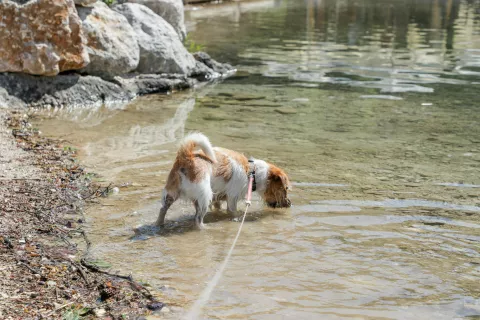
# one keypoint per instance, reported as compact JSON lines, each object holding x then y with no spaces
{"x":277,"y":187}
{"x":223,"y":167}
{"x":194,"y":165}
{"x":238,"y":157}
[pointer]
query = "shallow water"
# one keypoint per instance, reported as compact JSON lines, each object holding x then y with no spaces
{"x":371,"y":107}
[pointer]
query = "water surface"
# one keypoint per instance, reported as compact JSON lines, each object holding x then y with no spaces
{"x":370,"y":106}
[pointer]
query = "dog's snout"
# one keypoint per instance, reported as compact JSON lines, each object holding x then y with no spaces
{"x":272,"y":204}
{"x":288,"y":203}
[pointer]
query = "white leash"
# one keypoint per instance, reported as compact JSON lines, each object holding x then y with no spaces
{"x":205,"y":296}
{"x":197,"y":307}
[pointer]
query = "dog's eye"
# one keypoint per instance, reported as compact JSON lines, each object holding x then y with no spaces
{"x":287,"y":188}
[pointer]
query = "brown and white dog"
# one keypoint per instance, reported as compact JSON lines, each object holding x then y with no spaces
{"x":216,"y":174}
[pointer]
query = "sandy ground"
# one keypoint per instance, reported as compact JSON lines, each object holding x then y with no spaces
{"x":14,"y":162}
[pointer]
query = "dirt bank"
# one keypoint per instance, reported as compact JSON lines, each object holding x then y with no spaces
{"x":46,"y":271}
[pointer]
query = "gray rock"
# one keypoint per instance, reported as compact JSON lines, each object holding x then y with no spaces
{"x":155,"y":83}
{"x":74,"y":90}
{"x":8,"y":101}
{"x":161,"y":50}
{"x":111,"y":41}
{"x":62,"y":90}
{"x":84,"y":3}
{"x":170,"y":10}
{"x":221,"y":68}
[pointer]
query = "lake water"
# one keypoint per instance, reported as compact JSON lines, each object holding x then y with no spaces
{"x":370,"y":106}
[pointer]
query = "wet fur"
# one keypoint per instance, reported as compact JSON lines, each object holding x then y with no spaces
{"x":218,"y":174}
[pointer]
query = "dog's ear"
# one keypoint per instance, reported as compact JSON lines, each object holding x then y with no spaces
{"x":278,"y":176}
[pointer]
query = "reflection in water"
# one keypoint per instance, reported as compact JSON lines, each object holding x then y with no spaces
{"x":394,"y":46}
{"x":384,"y":222}
{"x":142,"y":140}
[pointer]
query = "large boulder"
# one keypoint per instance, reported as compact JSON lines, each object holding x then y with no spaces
{"x":111,"y":41}
{"x":161,"y":50}
{"x":41,"y":37}
{"x":84,"y":3}
{"x":170,"y":10}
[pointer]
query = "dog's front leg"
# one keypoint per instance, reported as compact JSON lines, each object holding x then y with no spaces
{"x":232,"y":205}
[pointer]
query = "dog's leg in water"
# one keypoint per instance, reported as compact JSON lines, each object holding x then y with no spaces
{"x":217,"y":205}
{"x":232,"y":205}
{"x":167,"y":201}
{"x":200,"y":212}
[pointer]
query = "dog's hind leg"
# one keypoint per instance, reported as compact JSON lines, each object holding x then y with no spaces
{"x":167,"y":201}
{"x":202,"y":200}
{"x":200,"y":212}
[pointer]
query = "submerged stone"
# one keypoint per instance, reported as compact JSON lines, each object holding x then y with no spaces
{"x":286,"y":110}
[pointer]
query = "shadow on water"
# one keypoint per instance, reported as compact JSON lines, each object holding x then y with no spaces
{"x":187,"y":223}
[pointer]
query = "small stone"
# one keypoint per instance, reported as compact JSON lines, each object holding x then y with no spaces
{"x":99,"y":312}
{"x":286,"y":110}
{"x":225,"y":94}
{"x":51,"y":284}
{"x":246,"y":97}
{"x":165,"y":310}
{"x":302,"y":100}
{"x":156,"y":306}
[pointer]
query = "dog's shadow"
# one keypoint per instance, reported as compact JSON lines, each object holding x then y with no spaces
{"x":187,"y":224}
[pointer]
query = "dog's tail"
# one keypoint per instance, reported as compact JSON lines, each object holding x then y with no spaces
{"x":193,"y":141}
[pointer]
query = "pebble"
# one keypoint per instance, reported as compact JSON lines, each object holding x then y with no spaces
{"x":155,"y":306}
{"x":245,"y":97}
{"x":302,"y":100}
{"x":99,"y":312}
{"x":165,"y":310}
{"x":286,"y":110}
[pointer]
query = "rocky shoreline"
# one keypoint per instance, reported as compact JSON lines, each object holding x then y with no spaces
{"x":22,"y":90}
{"x":92,"y":53}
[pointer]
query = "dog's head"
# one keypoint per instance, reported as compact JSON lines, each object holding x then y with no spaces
{"x":276,"y":192}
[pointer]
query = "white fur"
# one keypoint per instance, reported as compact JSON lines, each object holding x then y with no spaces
{"x":261,"y":175}
{"x":236,"y":188}
{"x":202,"y":142}
{"x":200,"y":191}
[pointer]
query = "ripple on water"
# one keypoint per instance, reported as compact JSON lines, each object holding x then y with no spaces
{"x":401,"y":203}
{"x":459,"y":185}
{"x":318,"y":184}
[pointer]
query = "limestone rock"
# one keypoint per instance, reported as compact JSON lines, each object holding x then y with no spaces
{"x":84,"y":3}
{"x":111,"y":41}
{"x":41,"y":37}
{"x":170,"y":10}
{"x":161,"y":51}
{"x":222,"y":68}
{"x":8,"y":101}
